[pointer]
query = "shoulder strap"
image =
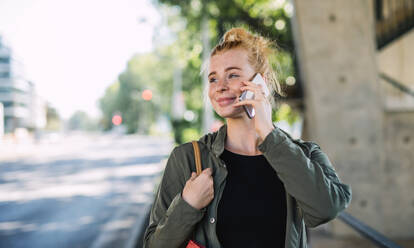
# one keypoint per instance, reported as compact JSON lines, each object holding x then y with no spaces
{"x":197,"y":157}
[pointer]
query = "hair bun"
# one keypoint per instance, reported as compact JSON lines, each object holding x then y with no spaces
{"x":241,"y":35}
{"x":235,"y":35}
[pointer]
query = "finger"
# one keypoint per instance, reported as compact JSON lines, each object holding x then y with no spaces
{"x":193,"y":175}
{"x":257,"y":93}
{"x":249,"y":83}
{"x":248,"y":87}
{"x":207,"y":171}
{"x":245,"y":102}
{"x":253,"y":84}
{"x":257,"y":89}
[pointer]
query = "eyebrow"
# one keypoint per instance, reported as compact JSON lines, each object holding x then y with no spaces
{"x":227,"y":69}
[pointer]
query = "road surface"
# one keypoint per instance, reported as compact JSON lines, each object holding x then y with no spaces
{"x":77,"y":191}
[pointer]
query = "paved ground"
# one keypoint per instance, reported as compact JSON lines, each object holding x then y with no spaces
{"x":90,"y":191}
{"x":322,"y":239}
{"x":77,"y":191}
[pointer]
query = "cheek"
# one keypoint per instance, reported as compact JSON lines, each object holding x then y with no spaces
{"x":236,"y":86}
{"x":210,"y":92}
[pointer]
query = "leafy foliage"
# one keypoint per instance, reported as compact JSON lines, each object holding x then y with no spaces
{"x":181,"y":49}
{"x":81,"y":121}
{"x":53,"y":121}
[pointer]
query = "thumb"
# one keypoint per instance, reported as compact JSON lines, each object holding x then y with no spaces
{"x":207,"y":171}
{"x":193,"y":176}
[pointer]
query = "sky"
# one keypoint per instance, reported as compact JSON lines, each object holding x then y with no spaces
{"x":72,"y":50}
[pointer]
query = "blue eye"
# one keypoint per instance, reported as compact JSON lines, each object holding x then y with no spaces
{"x":211,"y":80}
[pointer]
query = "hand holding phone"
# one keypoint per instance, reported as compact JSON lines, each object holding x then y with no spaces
{"x":248,"y":95}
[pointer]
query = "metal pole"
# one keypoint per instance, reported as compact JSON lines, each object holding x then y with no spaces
{"x":377,"y":238}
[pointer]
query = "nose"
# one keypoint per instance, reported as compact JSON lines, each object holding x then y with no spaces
{"x":222,"y":85}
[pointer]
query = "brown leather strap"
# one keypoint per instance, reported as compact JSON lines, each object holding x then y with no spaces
{"x":197,"y":157}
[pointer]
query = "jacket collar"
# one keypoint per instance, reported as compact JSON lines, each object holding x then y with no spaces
{"x":219,"y":141}
{"x":217,"y":144}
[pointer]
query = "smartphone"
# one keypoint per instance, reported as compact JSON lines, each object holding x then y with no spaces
{"x":248,"y":95}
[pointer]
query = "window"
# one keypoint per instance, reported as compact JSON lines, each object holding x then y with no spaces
{"x":4,"y":74}
{"x":5,"y":90}
{"x":5,"y":60}
{"x":13,"y":104}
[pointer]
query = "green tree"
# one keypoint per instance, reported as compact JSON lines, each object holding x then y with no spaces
{"x":108,"y":105}
{"x":185,"y":17}
{"x":266,"y":17}
{"x":81,"y":121}
{"x":181,"y":49}
{"x":143,"y":72}
{"x":53,"y":121}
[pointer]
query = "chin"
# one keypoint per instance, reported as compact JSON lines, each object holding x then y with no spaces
{"x":234,"y":113}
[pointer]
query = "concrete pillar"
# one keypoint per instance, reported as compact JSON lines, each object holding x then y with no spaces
{"x":396,"y":60}
{"x":398,"y":196}
{"x":336,"y":48}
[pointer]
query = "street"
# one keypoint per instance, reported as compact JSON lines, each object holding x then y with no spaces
{"x":79,"y":190}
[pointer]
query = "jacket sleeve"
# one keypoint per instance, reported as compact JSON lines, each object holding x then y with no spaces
{"x":172,"y":219}
{"x":310,"y":179}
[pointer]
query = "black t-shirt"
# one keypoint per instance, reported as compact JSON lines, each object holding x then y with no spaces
{"x":252,"y":210}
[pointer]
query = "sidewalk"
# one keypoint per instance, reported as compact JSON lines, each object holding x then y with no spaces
{"x":320,"y":239}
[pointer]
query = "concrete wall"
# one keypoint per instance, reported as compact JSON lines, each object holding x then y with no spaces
{"x":397,"y":61}
{"x":398,"y":197}
{"x":372,"y":149}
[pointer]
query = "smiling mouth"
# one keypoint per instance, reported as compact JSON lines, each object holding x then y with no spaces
{"x":226,"y":101}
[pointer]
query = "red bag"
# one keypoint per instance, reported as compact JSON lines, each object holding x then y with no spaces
{"x":191,"y":243}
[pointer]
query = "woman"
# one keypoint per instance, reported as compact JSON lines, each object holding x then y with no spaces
{"x":259,"y":187}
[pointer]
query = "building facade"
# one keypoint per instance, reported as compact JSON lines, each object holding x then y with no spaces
{"x":22,"y":106}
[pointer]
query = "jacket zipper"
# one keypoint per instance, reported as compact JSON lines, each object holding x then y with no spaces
{"x":220,"y":194}
{"x":300,"y":226}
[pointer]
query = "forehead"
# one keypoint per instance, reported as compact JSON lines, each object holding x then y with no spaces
{"x":233,"y":57}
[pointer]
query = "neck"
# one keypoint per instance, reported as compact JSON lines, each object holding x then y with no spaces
{"x":242,"y":137}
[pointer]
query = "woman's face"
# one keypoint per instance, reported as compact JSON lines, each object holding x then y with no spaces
{"x":227,"y":71}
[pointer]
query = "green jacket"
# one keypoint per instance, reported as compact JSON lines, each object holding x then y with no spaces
{"x":314,"y":193}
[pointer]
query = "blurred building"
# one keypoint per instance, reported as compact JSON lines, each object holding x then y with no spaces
{"x":23,"y":107}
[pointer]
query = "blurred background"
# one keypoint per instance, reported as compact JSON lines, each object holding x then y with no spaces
{"x":95,"y":94}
